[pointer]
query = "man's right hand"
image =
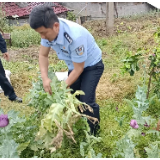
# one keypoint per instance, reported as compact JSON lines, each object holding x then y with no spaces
{"x":47,"y":86}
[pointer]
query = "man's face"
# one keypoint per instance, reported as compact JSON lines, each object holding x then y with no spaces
{"x":49,"y":33}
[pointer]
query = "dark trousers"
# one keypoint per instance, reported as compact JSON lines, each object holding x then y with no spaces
{"x":87,"y":82}
{"x":5,"y":85}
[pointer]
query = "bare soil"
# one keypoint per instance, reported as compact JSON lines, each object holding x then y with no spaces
{"x":98,"y":28}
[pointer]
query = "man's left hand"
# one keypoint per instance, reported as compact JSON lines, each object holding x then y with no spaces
{"x":6,"y":56}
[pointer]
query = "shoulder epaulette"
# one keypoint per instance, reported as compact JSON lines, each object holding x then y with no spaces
{"x":69,"y":39}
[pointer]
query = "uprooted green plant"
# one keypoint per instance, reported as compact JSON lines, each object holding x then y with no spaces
{"x":58,"y":113}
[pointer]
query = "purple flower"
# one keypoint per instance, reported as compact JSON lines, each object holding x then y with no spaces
{"x":153,"y":55}
{"x":134,"y":124}
{"x":143,"y":134}
{"x":4,"y":121}
{"x":116,"y":108}
{"x":146,"y":125}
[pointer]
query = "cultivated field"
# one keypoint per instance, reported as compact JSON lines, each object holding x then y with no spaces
{"x":118,"y":95}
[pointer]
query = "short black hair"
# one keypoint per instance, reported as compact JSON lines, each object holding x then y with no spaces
{"x":42,"y":15}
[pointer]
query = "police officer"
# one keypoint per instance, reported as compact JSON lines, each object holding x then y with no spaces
{"x":77,"y":47}
{"x":4,"y":83}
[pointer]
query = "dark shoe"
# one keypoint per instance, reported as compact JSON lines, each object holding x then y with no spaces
{"x":17,"y":99}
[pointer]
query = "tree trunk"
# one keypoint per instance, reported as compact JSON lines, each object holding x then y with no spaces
{"x":109,"y":18}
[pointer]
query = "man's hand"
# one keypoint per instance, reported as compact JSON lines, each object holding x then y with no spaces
{"x":6,"y":56}
{"x":47,"y":86}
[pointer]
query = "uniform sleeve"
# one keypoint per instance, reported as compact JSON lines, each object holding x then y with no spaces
{"x":3,"y":46}
{"x":79,"y":50}
{"x":45,"y":43}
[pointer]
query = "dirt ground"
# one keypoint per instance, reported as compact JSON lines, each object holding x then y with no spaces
{"x":98,"y":28}
{"x":25,"y":54}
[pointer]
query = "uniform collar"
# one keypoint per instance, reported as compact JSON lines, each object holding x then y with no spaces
{"x":60,"y":37}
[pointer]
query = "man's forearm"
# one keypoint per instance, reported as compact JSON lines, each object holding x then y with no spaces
{"x":43,"y":64}
{"x":73,"y":77}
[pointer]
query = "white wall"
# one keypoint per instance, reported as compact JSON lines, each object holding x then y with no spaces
{"x":98,"y":9}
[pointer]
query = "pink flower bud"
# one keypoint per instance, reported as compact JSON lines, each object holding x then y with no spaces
{"x":146,"y":125}
{"x":143,"y":134}
{"x":153,"y":55}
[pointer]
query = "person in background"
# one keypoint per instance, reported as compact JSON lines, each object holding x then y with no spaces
{"x":76,"y":46}
{"x":4,"y":83}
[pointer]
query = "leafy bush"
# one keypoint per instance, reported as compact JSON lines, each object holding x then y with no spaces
{"x":24,"y":38}
{"x":23,"y":27}
{"x":71,"y":16}
{"x":4,"y":24}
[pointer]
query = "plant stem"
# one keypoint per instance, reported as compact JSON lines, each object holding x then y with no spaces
{"x":149,"y":83}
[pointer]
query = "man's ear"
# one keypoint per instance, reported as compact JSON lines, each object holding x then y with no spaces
{"x":56,"y":26}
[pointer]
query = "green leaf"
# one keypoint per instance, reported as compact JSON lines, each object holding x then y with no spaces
{"x":129,"y":102}
{"x":153,"y":132}
{"x":133,"y":133}
{"x":37,"y":145}
{"x":152,"y":151}
{"x":1,"y":111}
{"x":149,"y":120}
{"x":127,"y":65}
{"x":47,"y":140}
{"x":120,"y":120}
{"x":125,"y":147}
{"x":152,"y":99}
{"x":82,"y":145}
{"x":22,"y":146}
{"x":133,"y":66}
{"x":131,"y":72}
{"x":8,"y":149}
{"x":79,"y":92}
